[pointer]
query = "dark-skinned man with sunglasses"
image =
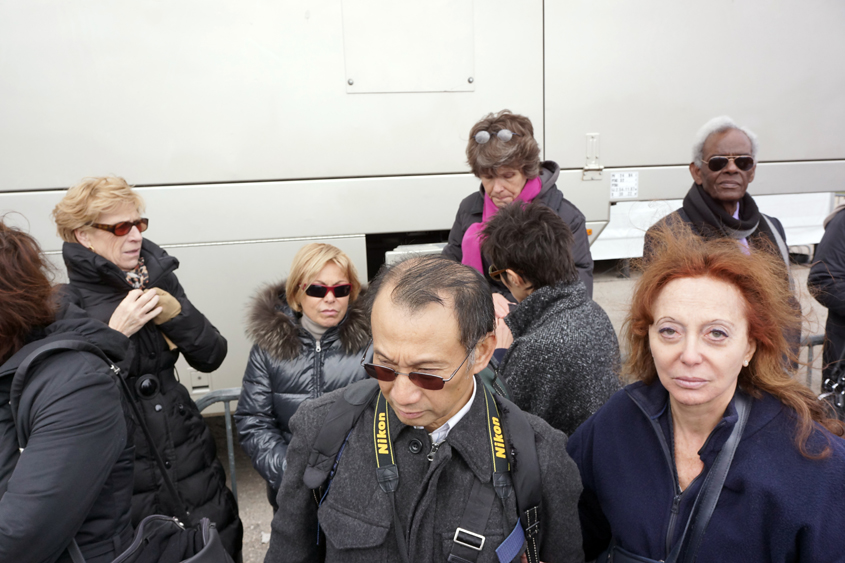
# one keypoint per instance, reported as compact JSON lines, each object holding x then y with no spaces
{"x":718,"y":205}
{"x":402,"y":466}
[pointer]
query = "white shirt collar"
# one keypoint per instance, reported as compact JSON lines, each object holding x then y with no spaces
{"x":440,"y":434}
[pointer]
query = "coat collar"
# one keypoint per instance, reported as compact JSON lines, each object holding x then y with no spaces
{"x":653,"y":401}
{"x":546,"y":300}
{"x":549,"y":172}
{"x":86,"y":267}
{"x":74,"y":323}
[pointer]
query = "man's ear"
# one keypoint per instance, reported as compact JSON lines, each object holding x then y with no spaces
{"x":483,"y":352}
{"x":696,"y":173}
{"x":83,"y":238}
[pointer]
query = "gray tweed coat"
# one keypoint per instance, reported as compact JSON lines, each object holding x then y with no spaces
{"x":356,"y":515}
{"x":564,"y":360}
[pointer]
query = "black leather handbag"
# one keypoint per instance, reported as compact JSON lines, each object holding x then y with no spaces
{"x":163,"y":539}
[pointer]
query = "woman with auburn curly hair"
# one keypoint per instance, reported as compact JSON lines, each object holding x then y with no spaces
{"x":70,"y":475}
{"x":706,"y":349}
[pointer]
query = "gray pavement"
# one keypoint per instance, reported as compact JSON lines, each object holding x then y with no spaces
{"x":611,"y":291}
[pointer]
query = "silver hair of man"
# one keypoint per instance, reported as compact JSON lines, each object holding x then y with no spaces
{"x":717,"y":125}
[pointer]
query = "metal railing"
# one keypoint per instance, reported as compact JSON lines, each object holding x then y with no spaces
{"x":225,"y":396}
{"x":811,"y":342}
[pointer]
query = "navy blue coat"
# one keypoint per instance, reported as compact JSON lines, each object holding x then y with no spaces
{"x":776,"y":505}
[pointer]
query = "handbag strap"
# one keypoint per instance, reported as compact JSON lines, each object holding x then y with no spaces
{"x":707,"y":498}
{"x":75,"y":552}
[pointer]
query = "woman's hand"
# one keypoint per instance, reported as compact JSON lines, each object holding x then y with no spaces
{"x":136,"y":310}
{"x":504,"y":336}
{"x":501,"y":305}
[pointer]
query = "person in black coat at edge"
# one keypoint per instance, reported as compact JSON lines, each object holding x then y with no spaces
{"x":309,"y":334}
{"x":558,"y":351}
{"x":827,"y":284}
{"x":127,"y":282}
{"x":73,"y":480}
{"x":706,"y":343}
{"x":504,"y":155}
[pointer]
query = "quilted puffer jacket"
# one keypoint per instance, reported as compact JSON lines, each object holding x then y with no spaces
{"x":178,"y":429}
{"x":287,"y":366}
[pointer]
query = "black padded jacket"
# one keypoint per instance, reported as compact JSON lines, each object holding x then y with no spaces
{"x":827,"y":284}
{"x":74,"y":477}
{"x":98,"y":286}
{"x":287,"y":366}
{"x":471,"y":210}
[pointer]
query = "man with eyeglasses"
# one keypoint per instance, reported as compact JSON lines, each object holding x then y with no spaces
{"x":717,"y":205}
{"x":411,"y":476}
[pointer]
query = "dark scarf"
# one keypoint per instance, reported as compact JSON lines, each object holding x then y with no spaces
{"x":712,"y":221}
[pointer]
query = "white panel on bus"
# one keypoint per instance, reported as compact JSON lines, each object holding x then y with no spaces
{"x":391,"y":46}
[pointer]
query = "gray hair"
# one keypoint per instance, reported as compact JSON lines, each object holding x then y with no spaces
{"x":421,"y":280}
{"x":718,"y":125}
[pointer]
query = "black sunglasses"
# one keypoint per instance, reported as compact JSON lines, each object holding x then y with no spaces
{"x":503,"y":135}
{"x":423,"y":380}
{"x":320,"y":290}
{"x":744,"y":163}
{"x":123,"y":228}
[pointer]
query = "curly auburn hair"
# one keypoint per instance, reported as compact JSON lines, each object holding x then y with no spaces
{"x":26,"y":293}
{"x":761,"y":279}
{"x":520,"y":153}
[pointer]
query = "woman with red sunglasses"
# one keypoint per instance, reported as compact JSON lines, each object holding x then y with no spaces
{"x":128,"y":282}
{"x":309,"y":333}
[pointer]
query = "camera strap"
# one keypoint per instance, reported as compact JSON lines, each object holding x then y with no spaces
{"x":469,"y":538}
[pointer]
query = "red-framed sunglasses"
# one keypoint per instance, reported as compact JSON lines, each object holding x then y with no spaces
{"x":319,"y":290}
{"x":123,"y":228}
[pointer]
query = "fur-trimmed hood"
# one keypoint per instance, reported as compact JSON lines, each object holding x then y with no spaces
{"x":276,"y":328}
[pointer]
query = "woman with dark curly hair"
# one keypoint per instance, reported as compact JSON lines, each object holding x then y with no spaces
{"x":504,"y":155}
{"x":70,"y":476}
{"x":706,"y":344}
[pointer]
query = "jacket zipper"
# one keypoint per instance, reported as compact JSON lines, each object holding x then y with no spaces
{"x":677,"y":495}
{"x":318,"y":391}
{"x":434,"y":448}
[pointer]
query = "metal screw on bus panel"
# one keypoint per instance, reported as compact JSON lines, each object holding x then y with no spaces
{"x":350,"y":82}
{"x":470,"y":80}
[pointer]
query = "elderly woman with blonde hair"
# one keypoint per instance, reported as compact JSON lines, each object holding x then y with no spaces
{"x":128,"y":282}
{"x":309,"y":333}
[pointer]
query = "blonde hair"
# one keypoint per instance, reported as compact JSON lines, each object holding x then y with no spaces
{"x":306,"y":266}
{"x":84,"y":202}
